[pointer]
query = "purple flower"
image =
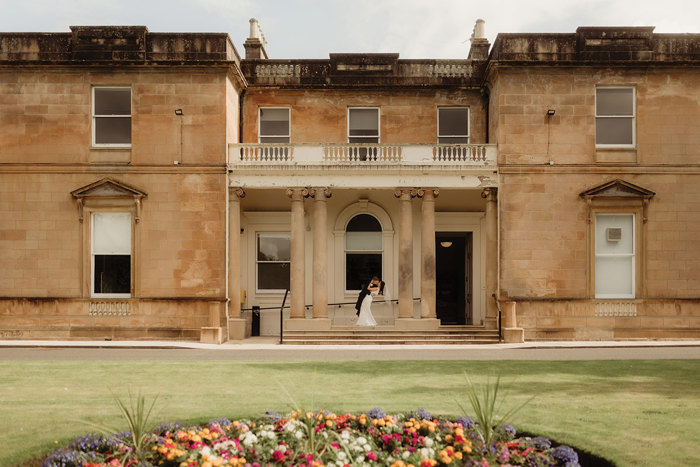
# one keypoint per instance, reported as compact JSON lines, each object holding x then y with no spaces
{"x":376,"y":413}
{"x":421,"y":414}
{"x":274,"y":417}
{"x":566,"y":456}
{"x":172,"y":427}
{"x":222,"y":422}
{"x":541,"y":443}
{"x":68,"y":458}
{"x":466,"y":422}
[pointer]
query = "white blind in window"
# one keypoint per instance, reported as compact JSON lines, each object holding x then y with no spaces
{"x":614,"y":267}
{"x":111,"y":233}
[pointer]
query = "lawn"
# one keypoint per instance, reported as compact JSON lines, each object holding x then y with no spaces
{"x":632,"y":412}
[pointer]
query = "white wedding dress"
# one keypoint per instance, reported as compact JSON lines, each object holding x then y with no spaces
{"x":366,"y":318}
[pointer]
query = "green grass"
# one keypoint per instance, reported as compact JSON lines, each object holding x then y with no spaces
{"x":632,"y":412}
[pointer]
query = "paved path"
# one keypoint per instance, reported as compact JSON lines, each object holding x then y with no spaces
{"x":266,"y":349}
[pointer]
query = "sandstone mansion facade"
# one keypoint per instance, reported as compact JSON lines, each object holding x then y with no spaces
{"x":160,"y":186}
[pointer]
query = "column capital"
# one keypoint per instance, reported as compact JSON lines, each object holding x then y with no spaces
{"x":405,"y":193}
{"x":320,"y":193}
{"x":297,"y":193}
{"x":490,"y":194}
{"x":422,"y":192}
{"x":237,"y":192}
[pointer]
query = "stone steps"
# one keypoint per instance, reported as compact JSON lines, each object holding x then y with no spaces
{"x":387,"y":335}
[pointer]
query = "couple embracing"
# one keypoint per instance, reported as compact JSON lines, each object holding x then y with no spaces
{"x":364,"y":301}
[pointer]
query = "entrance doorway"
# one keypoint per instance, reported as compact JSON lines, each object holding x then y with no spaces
{"x":453,"y":261}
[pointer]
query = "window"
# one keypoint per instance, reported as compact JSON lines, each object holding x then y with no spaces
{"x":111,"y":254}
{"x":363,"y":125}
{"x":614,"y":255}
{"x":363,"y":251}
{"x":273,"y":259}
{"x":453,"y":125}
{"x":111,"y":116}
{"x":273,"y":125}
{"x":614,"y":117}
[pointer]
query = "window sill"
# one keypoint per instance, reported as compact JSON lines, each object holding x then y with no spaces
{"x":616,"y":155}
{"x":110,"y":155}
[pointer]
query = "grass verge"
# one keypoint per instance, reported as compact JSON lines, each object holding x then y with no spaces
{"x":631,"y":412}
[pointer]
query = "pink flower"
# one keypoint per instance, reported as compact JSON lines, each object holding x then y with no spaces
{"x":336,"y":445}
{"x":371,"y":456}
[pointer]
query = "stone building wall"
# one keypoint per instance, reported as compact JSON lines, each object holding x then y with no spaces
{"x":320,"y":115}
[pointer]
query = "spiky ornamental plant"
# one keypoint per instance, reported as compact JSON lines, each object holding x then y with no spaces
{"x":486,"y":405}
{"x":136,"y":415}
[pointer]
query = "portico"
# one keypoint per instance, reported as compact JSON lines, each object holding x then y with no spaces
{"x":326,"y":251}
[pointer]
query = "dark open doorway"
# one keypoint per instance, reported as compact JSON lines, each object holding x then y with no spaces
{"x":453,"y":274}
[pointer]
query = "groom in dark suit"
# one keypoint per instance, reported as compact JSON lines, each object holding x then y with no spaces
{"x":365,"y":290}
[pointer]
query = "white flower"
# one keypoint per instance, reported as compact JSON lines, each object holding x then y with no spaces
{"x":298,"y":434}
{"x":405,"y":455}
{"x":206,"y":450}
{"x":367,"y":447}
{"x":249,"y":439}
{"x":345,"y":435}
{"x":429,"y":442}
{"x":361,"y":440}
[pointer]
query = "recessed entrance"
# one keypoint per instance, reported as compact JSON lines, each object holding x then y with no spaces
{"x":453,"y":275}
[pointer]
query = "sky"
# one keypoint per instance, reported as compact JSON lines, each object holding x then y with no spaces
{"x":315,"y":28}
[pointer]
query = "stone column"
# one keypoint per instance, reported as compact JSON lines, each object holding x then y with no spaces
{"x":320,"y":263}
{"x":427,"y":243}
{"x":490,"y":194}
{"x":236,"y":325}
{"x":405,"y":252}
{"x":296,"y":281}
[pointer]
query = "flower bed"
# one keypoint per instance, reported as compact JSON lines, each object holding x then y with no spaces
{"x":315,"y":440}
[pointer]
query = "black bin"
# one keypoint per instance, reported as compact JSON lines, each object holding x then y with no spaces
{"x":256,"y":321}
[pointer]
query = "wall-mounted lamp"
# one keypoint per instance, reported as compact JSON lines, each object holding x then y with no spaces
{"x":178,"y":112}
{"x":445,"y":244}
{"x":551,"y":112}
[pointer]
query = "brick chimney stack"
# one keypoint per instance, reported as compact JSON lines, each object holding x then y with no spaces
{"x":479,"y":49}
{"x":255,"y":45}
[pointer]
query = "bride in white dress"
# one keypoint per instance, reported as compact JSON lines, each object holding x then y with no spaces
{"x":366,"y":318}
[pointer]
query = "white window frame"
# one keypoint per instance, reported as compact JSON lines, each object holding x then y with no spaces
{"x":368,"y":252}
{"x":95,"y":117}
{"x":92,"y":258}
{"x":258,"y":290}
{"x":289,"y":125}
{"x":379,"y":124}
{"x":633,"y":117}
{"x":633,"y":255}
{"x":469,"y":124}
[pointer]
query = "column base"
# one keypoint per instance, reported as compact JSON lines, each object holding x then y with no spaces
{"x":211,"y":335}
{"x":424,"y":324}
{"x":303,"y":324}
{"x":513,"y":335}
{"x":237,"y":329}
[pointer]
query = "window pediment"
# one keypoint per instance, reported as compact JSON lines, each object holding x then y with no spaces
{"x":617,"y":192}
{"x":619,"y":189}
{"x":109,"y":192}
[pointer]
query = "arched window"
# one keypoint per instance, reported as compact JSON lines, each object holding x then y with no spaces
{"x":363,"y":251}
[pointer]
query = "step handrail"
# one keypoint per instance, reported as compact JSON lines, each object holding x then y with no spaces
{"x":498,"y":307}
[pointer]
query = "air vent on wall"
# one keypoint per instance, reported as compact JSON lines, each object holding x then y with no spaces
{"x":613,"y":234}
